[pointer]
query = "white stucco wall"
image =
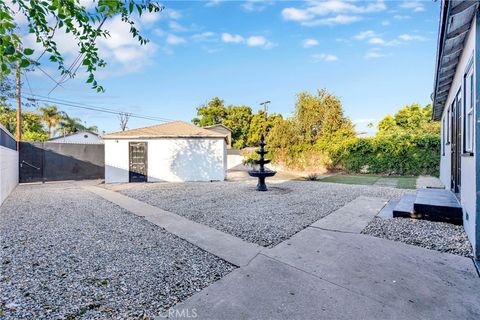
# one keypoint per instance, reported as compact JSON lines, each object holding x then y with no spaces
{"x":234,"y":160}
{"x":173,"y":160}
{"x":468,"y":172}
{"x":116,"y":161}
{"x":8,"y":172}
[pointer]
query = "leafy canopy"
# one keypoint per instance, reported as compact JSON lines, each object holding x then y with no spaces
{"x":44,"y":18}
{"x":32,"y":126}
{"x":246,"y":127}
{"x":413,"y":119}
{"x":214,"y":112}
{"x":318,"y":120}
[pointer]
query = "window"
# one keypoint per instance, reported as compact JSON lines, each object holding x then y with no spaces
{"x":468,"y":111}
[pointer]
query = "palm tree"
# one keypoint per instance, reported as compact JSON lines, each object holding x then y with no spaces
{"x":92,"y":129}
{"x":51,"y":117}
{"x":68,"y":125}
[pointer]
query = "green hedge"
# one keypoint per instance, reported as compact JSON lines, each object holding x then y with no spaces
{"x":390,"y":154}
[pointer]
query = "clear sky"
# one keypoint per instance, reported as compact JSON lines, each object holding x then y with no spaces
{"x":377,"y":56}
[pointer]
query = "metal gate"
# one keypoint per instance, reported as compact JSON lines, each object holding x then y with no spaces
{"x":48,"y":161}
{"x":137,"y":161}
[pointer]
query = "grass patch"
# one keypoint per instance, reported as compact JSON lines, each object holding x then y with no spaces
{"x":407,"y":182}
{"x":352,"y":179}
{"x":402,"y":182}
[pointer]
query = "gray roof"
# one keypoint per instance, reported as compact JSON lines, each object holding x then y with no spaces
{"x":455,"y":22}
{"x":175,"y":129}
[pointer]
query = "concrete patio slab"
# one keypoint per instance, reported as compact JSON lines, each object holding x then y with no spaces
{"x":322,"y":274}
{"x":269,"y":289}
{"x":230,"y":248}
{"x":429,"y":182}
{"x":423,"y":283}
{"x":354,"y":216}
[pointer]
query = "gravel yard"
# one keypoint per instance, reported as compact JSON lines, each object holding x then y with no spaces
{"x":443,"y":237}
{"x":265,"y":218}
{"x":68,"y":254}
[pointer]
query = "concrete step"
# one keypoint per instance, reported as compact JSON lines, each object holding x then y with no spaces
{"x":387,"y":210}
{"x":438,"y":205}
{"x":404,"y":207}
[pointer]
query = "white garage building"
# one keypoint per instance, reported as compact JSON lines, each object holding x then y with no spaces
{"x":176,"y":151}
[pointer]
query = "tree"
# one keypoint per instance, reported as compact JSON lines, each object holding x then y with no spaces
{"x":32,"y":128}
{"x":259,"y":126}
{"x":7,"y":89}
{"x":51,"y":117}
{"x":214,"y":112}
{"x":69,"y":125}
{"x":412,"y":119}
{"x":319,"y":116}
{"x":387,"y":124}
{"x":8,"y":118}
{"x":45,"y":18}
{"x":283,"y":134}
{"x":123,"y":117}
{"x":238,"y":120}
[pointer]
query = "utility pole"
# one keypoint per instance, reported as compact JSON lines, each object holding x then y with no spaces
{"x":19,"y":108}
{"x":265,"y":116}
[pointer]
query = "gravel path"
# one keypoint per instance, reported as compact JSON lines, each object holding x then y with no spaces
{"x":443,"y":237}
{"x":265,"y":218}
{"x":68,"y":254}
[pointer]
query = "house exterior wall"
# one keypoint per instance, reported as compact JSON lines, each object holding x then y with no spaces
{"x":170,"y":159}
{"x":116,"y":161}
{"x":79,"y":137}
{"x":8,"y":164}
{"x":468,"y":167}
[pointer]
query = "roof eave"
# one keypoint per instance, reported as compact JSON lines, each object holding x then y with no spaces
{"x":456,"y":38}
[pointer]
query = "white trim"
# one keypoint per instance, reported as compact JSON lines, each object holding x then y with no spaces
{"x":468,"y":108}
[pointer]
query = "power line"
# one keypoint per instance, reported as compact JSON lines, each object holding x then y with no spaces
{"x":97,"y":107}
{"x":79,"y":58}
{"x":49,"y":76}
{"x":28,"y":83}
{"x":37,"y":65}
{"x":93,"y":108}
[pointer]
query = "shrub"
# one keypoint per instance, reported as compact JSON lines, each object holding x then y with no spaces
{"x":313,"y":177}
{"x":403,"y":154}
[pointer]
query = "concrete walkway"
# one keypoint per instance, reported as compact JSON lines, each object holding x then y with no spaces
{"x":327,"y":271}
{"x":223,"y":245}
{"x":337,"y":273}
{"x":334,"y":275}
{"x":353,"y":217}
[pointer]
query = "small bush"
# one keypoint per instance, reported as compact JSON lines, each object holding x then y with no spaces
{"x":313,"y":177}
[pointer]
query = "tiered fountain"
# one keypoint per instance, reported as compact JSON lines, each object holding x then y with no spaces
{"x":262,"y":173}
